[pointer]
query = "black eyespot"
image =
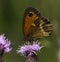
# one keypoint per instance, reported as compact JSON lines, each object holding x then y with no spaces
{"x":30,"y":14}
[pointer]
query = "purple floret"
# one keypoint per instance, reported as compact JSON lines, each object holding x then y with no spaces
{"x":4,"y":44}
{"x":35,"y":47}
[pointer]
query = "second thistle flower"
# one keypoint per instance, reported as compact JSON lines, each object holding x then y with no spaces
{"x":29,"y":48}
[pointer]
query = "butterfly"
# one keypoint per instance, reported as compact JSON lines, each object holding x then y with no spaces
{"x":35,"y":26}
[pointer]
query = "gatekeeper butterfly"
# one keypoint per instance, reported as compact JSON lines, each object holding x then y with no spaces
{"x":35,"y":25}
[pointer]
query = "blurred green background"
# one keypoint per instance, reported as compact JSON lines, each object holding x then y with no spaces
{"x":11,"y":18}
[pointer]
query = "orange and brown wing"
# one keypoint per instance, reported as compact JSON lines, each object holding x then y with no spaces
{"x":31,"y":14}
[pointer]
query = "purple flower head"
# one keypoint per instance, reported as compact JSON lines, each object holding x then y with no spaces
{"x":29,"y":48}
{"x":4,"y":44}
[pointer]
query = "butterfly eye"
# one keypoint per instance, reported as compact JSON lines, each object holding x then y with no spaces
{"x":30,"y":14}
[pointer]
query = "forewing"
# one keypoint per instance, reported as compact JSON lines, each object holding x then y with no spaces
{"x":30,"y":15}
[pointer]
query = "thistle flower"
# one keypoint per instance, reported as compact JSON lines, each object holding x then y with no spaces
{"x":29,"y":48}
{"x":4,"y":44}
